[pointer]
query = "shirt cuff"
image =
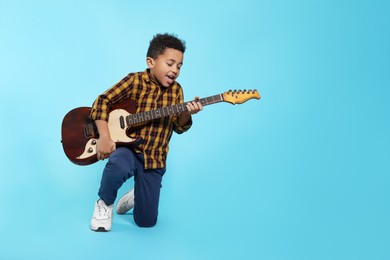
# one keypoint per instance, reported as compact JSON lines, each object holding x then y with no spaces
{"x":181,"y":129}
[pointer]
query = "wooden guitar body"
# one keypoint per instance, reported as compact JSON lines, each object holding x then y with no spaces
{"x":79,"y":132}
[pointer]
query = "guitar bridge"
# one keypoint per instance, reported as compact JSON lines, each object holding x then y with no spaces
{"x":89,"y":130}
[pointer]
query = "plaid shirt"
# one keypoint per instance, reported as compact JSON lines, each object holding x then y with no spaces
{"x":148,"y":95}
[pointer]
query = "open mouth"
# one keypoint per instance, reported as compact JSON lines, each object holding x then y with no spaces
{"x":171,"y":78}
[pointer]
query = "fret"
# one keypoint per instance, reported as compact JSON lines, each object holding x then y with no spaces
{"x":169,"y":110}
{"x":155,"y":114}
{"x":147,"y":115}
{"x":140,"y":118}
{"x":129,"y":120}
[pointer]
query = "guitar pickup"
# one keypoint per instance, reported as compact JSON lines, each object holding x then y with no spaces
{"x":122,"y":122}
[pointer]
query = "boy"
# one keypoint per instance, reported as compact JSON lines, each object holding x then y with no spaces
{"x":154,"y":88}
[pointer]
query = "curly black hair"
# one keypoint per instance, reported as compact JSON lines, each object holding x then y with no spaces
{"x":162,"y":41}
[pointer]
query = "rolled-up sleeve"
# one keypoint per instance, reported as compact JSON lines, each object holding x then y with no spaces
{"x":181,"y":129}
{"x":176,"y":127}
{"x":101,"y":106}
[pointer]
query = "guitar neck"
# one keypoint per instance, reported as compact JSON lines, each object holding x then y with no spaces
{"x":169,"y":110}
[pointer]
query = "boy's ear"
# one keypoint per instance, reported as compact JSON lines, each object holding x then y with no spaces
{"x":150,"y":62}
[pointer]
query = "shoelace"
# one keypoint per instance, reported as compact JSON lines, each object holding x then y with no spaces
{"x":103,"y":208}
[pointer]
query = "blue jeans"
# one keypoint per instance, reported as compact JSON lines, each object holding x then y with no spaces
{"x":122,"y":165}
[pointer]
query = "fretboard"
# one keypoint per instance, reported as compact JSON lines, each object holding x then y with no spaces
{"x":169,"y":110}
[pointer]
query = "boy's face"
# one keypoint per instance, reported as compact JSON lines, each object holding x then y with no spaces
{"x":166,"y":67}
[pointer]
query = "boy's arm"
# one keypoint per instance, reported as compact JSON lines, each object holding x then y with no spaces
{"x":193,"y":107}
{"x":100,"y":114}
{"x":105,"y":145}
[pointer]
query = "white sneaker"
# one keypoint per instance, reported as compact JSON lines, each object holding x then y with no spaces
{"x":102,"y":217}
{"x":125,"y":203}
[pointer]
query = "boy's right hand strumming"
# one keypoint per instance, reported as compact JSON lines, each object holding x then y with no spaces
{"x":105,"y":145}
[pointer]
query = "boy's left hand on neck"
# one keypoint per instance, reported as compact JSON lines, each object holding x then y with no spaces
{"x":193,"y":107}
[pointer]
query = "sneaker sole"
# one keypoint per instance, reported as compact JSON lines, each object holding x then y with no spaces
{"x":100,"y":229}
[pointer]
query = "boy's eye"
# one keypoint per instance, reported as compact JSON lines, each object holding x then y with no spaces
{"x":169,"y":64}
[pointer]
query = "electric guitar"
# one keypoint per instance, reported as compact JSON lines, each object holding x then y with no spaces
{"x":80,"y":134}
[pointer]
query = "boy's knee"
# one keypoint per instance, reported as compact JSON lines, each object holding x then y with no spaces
{"x":145,"y":222}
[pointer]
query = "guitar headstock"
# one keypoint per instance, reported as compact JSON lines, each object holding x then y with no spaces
{"x":240,"y":96}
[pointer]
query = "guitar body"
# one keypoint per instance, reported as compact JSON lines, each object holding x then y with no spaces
{"x":79,"y":132}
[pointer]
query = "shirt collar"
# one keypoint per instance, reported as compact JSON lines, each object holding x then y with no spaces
{"x":149,"y":78}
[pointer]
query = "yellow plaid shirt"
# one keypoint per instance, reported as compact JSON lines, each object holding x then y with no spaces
{"x":148,"y":95}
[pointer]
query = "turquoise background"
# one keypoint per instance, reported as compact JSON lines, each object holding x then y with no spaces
{"x":301,"y":174}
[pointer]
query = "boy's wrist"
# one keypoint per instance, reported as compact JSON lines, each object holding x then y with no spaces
{"x":184,"y":118}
